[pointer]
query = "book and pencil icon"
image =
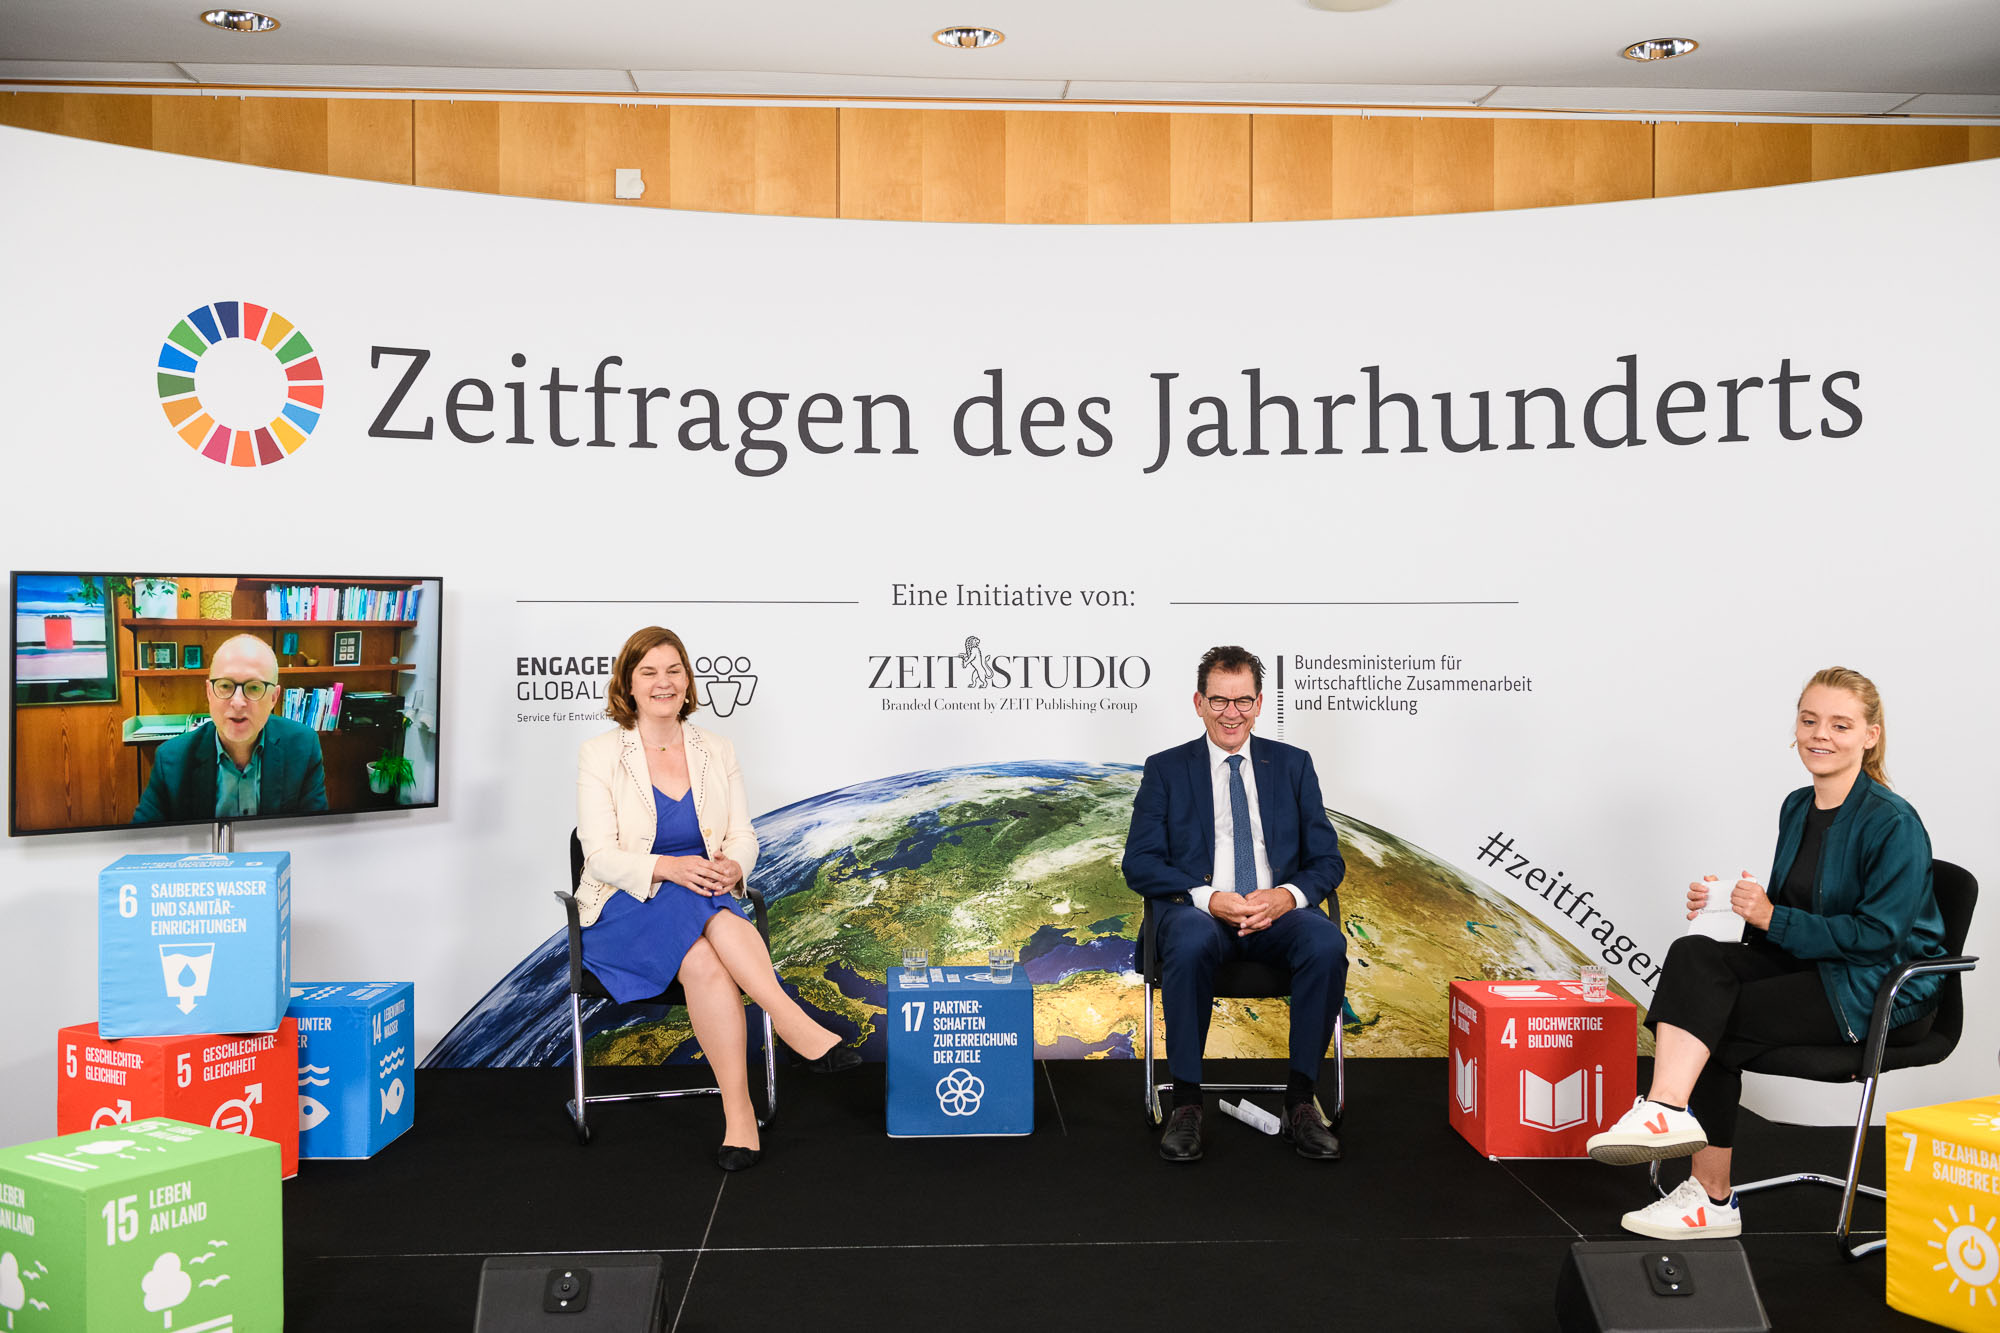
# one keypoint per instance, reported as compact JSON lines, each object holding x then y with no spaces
{"x":1563,"y":1103}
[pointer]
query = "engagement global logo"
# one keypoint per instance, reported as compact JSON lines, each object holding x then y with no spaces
{"x":240,"y":384}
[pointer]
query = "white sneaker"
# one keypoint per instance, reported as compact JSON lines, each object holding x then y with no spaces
{"x":1649,"y":1132}
{"x":1687,"y":1212}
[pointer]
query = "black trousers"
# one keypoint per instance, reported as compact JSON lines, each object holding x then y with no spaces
{"x":1741,"y":1000}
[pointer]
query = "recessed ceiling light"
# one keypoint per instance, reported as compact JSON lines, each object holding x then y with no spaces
{"x":1660,"y":48}
{"x":1347,"y":6}
{"x":238,"y":20}
{"x":965,"y":37}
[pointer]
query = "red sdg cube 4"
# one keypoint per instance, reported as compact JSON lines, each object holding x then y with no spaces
{"x":1535,"y":1068}
{"x":244,"y":1084}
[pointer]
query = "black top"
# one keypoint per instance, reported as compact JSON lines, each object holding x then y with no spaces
{"x":1797,"y":890}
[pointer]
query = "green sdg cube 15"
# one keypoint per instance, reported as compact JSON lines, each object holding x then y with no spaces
{"x":155,"y":1225}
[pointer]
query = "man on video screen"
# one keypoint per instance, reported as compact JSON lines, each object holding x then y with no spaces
{"x":242,"y":761}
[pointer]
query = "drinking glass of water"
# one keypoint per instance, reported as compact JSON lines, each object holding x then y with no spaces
{"x":1596,"y":983}
{"x":1000,"y":965}
{"x":916,"y":964}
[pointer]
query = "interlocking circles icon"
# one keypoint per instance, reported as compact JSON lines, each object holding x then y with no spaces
{"x":959,"y":1093}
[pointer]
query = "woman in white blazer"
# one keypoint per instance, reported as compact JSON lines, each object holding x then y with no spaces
{"x":660,"y":870}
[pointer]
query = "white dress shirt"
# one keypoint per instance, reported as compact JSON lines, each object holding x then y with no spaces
{"x":1224,"y":879}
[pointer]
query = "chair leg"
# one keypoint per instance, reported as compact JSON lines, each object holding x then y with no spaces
{"x":770,"y":1075}
{"x":1153,"y":1115}
{"x":1848,"y":1185}
{"x":577,"y":1107}
{"x":1854,"y":1171}
{"x":1339,"y":1075}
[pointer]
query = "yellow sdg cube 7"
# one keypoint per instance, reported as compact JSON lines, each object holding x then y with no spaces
{"x":1944,"y":1214}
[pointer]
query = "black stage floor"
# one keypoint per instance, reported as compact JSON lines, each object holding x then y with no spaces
{"x":1080,"y":1224}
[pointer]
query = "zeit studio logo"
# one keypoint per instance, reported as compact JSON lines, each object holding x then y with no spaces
{"x":975,"y":667}
{"x":240,"y":384}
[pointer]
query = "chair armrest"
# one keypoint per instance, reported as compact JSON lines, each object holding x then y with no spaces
{"x":568,"y":900}
{"x":1885,"y":1004}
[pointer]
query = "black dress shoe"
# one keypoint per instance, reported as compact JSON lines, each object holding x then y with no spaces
{"x":731,"y":1158}
{"x":836,"y":1061}
{"x":1309,"y":1135}
{"x":1182,"y":1140}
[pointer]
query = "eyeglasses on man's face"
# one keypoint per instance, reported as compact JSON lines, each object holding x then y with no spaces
{"x":253,"y":690}
{"x":1217,"y":704}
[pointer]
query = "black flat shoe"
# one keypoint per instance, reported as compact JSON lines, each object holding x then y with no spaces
{"x":836,"y":1061}
{"x":731,"y":1158}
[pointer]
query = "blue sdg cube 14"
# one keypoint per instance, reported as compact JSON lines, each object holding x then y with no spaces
{"x":356,"y":1093}
{"x":193,"y":944}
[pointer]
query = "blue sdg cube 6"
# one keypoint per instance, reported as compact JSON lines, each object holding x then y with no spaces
{"x":356,"y":1091}
{"x":193,"y":944}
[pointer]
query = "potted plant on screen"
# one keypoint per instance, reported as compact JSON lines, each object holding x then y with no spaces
{"x":390,"y":772}
{"x":151,"y":598}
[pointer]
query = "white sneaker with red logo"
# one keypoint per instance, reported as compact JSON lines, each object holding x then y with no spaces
{"x":1649,"y":1132}
{"x":1687,"y":1212}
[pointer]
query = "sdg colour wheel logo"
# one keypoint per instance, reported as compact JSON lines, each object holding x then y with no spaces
{"x":240,"y":383}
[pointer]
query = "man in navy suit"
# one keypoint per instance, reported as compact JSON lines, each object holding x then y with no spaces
{"x":1231,"y":841}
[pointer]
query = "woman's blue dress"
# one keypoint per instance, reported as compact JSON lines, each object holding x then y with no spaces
{"x":635,"y":948}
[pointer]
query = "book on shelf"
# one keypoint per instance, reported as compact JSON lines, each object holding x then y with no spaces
{"x":305,"y":601}
{"x":316,"y":708}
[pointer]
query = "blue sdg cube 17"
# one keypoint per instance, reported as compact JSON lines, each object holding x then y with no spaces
{"x":193,"y":944}
{"x":961,"y":1053}
{"x":356,"y":1092}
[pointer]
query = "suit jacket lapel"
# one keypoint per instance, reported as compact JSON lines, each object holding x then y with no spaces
{"x":202,"y":778}
{"x":1267,"y":793}
{"x":697,"y":762}
{"x":1203,"y":783}
{"x":633,"y":756}
{"x":271,"y":774}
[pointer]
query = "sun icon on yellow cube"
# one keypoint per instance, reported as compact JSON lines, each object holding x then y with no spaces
{"x":1990,"y":1123}
{"x":1970,"y":1254}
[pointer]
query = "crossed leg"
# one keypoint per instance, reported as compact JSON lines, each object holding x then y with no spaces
{"x":728,"y":962}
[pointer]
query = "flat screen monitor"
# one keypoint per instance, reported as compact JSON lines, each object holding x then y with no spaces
{"x":175,"y":698}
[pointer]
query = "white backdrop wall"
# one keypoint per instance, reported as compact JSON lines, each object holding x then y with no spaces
{"x":1660,"y":602}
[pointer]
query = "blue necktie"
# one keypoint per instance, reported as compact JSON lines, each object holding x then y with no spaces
{"x":1239,"y":828}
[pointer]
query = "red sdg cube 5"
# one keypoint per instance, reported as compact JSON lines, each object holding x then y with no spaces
{"x":1535,"y":1068}
{"x":246,"y":1084}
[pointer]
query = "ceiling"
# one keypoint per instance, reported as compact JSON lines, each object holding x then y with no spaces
{"x":1800,"y":57}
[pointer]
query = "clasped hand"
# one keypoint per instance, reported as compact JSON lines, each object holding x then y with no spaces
{"x":1746,"y":898}
{"x":704,"y":875}
{"x":1251,"y":912}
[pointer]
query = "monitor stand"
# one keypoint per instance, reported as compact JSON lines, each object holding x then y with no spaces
{"x":222,"y":838}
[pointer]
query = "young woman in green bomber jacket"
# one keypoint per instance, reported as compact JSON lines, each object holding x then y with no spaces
{"x":1848,"y":903}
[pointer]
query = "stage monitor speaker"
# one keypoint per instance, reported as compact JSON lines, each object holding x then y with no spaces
{"x":1655,"y":1286}
{"x":572,"y":1293}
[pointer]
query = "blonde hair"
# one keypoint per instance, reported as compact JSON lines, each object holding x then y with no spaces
{"x":1874,"y":761}
{"x":618,"y":703}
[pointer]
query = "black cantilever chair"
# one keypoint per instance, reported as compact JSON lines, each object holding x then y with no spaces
{"x":1957,"y":894}
{"x":584,"y":986}
{"x":1236,"y":979}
